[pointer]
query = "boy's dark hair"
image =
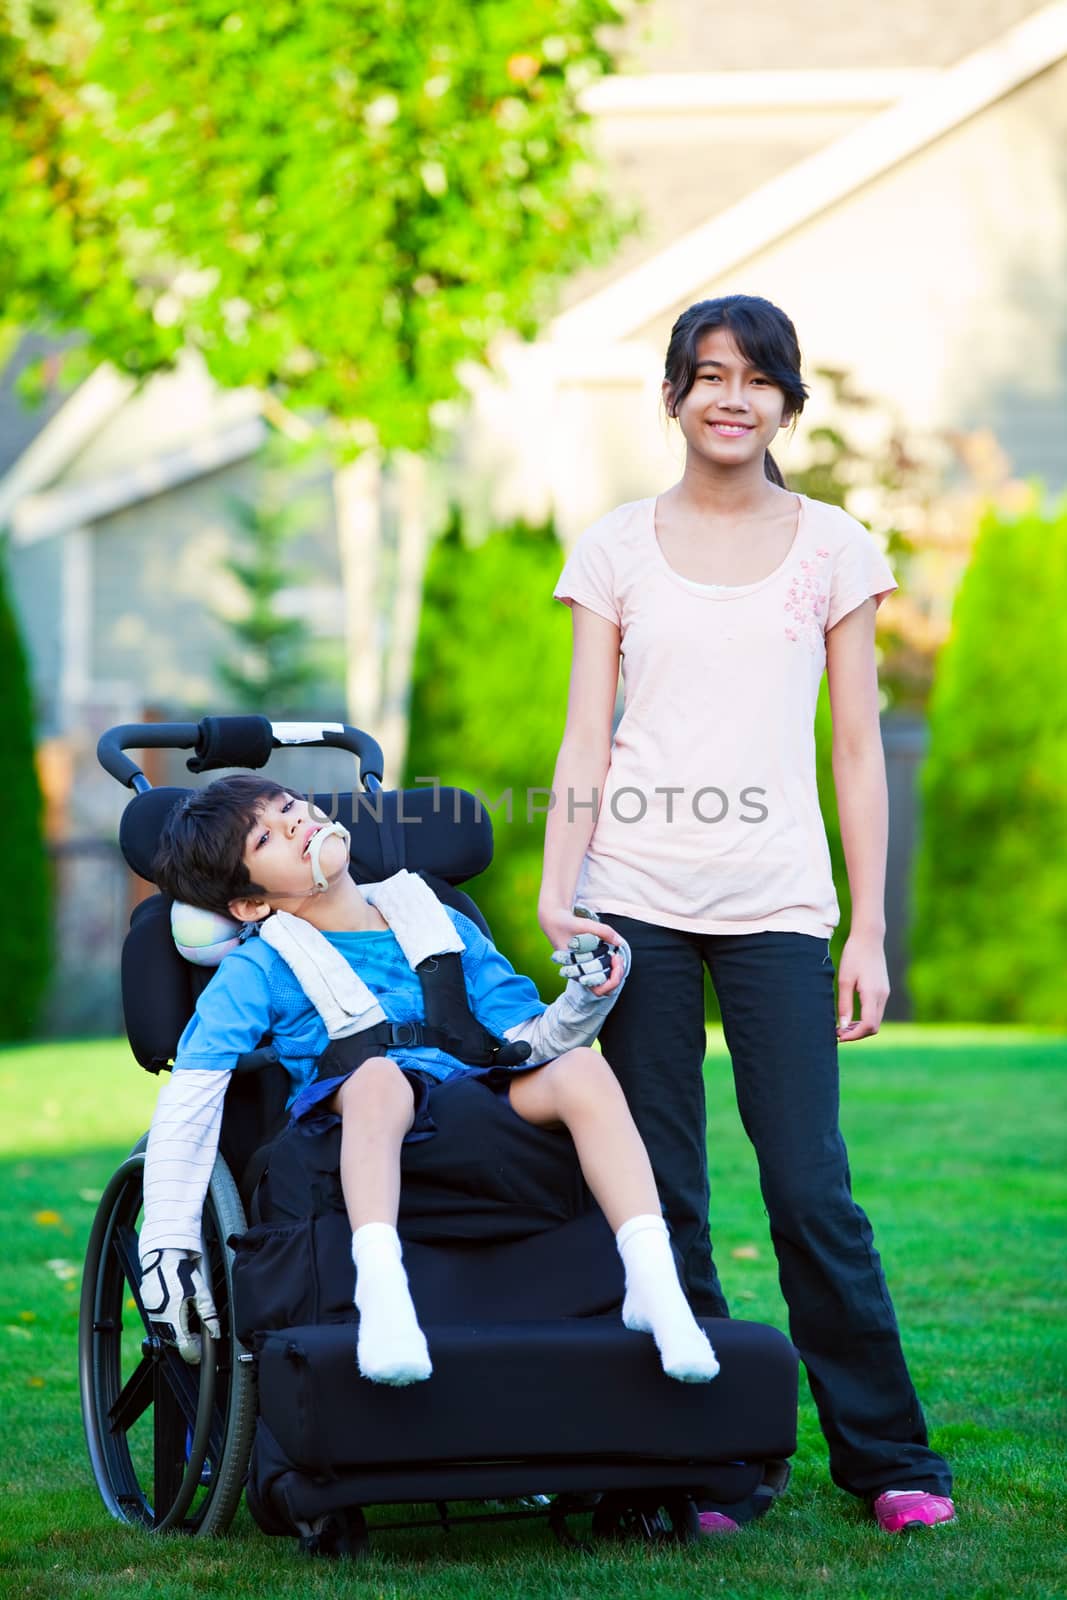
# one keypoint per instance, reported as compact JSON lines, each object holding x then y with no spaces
{"x":200,"y":859}
{"x":763,"y":334}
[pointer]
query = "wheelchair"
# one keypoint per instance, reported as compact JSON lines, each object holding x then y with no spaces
{"x":541,"y":1403}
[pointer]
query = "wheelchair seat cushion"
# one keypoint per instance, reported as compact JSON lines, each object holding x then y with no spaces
{"x":302,"y":1273}
{"x":483,"y":1173}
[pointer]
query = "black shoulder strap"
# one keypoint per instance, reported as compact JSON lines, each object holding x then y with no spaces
{"x":450,"y":1025}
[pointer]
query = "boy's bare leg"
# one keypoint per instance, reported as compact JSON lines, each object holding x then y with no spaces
{"x":376,"y":1107}
{"x":580,"y":1091}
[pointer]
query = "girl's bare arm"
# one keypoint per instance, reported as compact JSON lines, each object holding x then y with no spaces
{"x":581,"y":768}
{"x":863,"y":810}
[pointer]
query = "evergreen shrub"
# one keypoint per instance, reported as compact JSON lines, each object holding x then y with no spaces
{"x":25,"y":927}
{"x":489,"y":699}
{"x":990,"y":933}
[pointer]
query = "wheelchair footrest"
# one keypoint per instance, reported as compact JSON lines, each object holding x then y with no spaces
{"x":585,"y":1392}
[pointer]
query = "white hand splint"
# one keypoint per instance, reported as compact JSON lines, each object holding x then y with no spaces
{"x":586,"y":959}
{"x":172,"y":1287}
{"x":573,"y":1019}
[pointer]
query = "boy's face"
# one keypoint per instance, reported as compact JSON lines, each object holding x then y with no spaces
{"x":276,"y":855}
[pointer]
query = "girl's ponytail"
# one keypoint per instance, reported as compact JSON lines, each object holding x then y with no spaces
{"x":773,"y":471}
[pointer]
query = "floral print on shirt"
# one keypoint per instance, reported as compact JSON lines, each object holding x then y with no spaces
{"x":807,"y":603}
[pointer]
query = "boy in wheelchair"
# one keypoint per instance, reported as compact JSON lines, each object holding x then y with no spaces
{"x":379,"y":1001}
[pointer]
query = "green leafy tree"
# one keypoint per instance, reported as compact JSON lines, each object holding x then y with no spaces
{"x":63,"y":261}
{"x":273,"y":667}
{"x":990,"y":935}
{"x":25,"y":939}
{"x":341,"y":200}
{"x":488,"y":705}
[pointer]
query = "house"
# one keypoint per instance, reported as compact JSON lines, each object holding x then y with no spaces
{"x":120,"y":505}
{"x":893,"y":175}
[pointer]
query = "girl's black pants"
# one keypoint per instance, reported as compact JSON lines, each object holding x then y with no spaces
{"x":776,"y":995}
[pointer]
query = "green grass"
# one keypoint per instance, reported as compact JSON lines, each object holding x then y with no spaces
{"x":957,"y":1139}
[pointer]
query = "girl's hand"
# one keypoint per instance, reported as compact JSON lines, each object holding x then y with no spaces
{"x":617,"y":967}
{"x":863,"y":971}
{"x":559,"y":925}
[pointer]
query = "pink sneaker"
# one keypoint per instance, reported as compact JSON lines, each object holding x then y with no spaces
{"x":716,"y":1522}
{"x":897,"y":1510}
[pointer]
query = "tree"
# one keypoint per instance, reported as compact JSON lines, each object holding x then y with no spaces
{"x":488,"y":705}
{"x":25,"y":943}
{"x":990,"y":928}
{"x":272,"y":667}
{"x":340,"y":200}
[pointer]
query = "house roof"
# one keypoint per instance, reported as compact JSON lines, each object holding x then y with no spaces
{"x":794,"y":195}
{"x":791,"y":35}
{"x":113,"y":443}
{"x":21,"y":423}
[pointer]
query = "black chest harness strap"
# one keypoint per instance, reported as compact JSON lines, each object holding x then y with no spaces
{"x":450,"y":1026}
{"x":354,"y":1019}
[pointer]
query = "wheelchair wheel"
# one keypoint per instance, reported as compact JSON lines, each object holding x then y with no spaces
{"x":654,"y":1516}
{"x":168,"y":1442}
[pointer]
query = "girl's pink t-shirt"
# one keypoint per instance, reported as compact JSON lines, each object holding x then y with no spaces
{"x":710,"y":816}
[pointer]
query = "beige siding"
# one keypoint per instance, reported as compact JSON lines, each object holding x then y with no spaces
{"x":675,"y":171}
{"x":159,"y":583}
{"x":770,"y":35}
{"x":939,"y":286}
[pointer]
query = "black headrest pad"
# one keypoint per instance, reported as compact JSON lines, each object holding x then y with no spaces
{"x":443,"y":831}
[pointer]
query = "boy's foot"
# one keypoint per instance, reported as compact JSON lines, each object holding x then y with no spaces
{"x":655,"y":1302}
{"x":897,"y":1510}
{"x":390,"y":1347}
{"x":714,"y":1523}
{"x":395,"y":1359}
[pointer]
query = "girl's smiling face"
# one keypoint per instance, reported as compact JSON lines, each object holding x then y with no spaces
{"x":733,"y":411}
{"x":276,"y":855}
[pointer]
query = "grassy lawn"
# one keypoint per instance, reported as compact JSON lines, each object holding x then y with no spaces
{"x":957,"y":1139}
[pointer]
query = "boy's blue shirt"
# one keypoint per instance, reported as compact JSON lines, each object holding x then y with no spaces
{"x":254,"y":994}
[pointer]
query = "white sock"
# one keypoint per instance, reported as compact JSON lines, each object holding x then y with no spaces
{"x":655,"y":1301}
{"x":391,"y":1347}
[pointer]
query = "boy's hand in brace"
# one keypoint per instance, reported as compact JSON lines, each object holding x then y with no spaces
{"x":591,"y":961}
{"x":172,"y":1286}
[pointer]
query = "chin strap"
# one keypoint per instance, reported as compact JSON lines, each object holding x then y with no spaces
{"x":329,"y":830}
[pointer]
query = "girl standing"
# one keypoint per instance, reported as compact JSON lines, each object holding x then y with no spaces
{"x":696,"y":830}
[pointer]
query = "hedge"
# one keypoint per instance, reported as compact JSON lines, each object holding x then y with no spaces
{"x":989,"y":941}
{"x":489,"y":698}
{"x":25,"y":927}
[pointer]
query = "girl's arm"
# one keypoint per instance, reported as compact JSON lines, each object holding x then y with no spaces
{"x":863,"y":810}
{"x":581,"y":769}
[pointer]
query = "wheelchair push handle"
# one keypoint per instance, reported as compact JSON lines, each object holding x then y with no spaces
{"x":232,"y":742}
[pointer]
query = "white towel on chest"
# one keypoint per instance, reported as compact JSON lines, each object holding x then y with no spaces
{"x":415,"y":915}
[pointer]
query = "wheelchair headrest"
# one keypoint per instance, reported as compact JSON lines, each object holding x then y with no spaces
{"x":446,"y":832}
